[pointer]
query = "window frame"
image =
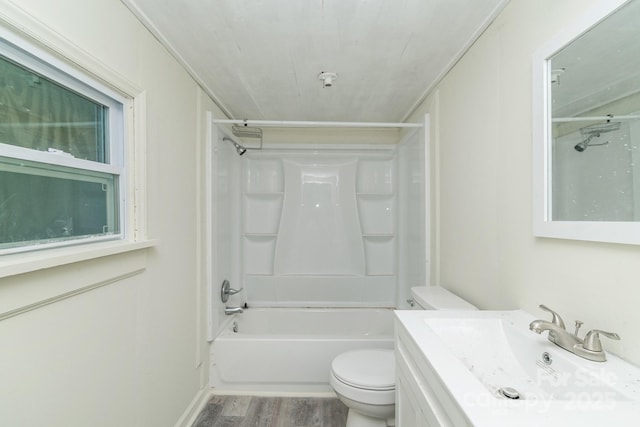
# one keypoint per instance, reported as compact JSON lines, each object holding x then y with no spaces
{"x":71,"y":77}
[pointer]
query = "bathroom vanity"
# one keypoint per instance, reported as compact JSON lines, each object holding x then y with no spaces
{"x":421,"y":398}
{"x":486,"y":368}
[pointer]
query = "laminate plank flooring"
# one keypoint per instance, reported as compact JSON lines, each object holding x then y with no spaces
{"x":257,"y":411}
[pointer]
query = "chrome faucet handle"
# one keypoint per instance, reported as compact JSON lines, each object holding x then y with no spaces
{"x":226,"y":290}
{"x":234,"y":291}
{"x":556,"y":319}
{"x":592,"y":339}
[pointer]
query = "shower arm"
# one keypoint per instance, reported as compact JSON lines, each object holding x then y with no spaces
{"x":588,"y":141}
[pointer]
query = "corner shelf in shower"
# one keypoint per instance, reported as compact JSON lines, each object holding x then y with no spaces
{"x":379,"y":250}
{"x":258,"y":252}
{"x":376,"y":212}
{"x":262,"y":212}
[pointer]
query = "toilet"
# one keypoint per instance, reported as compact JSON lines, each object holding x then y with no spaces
{"x":364,"y":379}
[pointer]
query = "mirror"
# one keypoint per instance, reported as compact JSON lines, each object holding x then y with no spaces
{"x":587,"y":128}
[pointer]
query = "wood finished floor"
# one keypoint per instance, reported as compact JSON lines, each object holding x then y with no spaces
{"x":255,"y":411}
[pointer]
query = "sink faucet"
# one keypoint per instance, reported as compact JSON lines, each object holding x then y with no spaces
{"x":590,"y":348}
{"x":557,"y":332}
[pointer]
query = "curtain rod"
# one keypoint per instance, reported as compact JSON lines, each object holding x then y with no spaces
{"x":309,"y":124}
{"x":596,"y":118}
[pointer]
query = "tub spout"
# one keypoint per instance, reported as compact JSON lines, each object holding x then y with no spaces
{"x":232,"y":310}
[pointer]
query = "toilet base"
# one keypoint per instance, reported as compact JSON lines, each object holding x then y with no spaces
{"x":376,"y":415}
{"x":356,"y":419}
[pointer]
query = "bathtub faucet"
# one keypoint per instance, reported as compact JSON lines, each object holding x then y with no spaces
{"x":232,"y":310}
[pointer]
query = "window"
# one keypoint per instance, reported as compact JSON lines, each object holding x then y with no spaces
{"x":61,"y":155}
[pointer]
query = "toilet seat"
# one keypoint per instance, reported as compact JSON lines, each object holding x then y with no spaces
{"x":369,"y":369}
{"x":366,"y":376}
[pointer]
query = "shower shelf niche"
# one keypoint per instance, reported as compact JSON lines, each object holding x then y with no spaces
{"x":379,"y":253}
{"x":377,"y":219}
{"x":376,"y":213}
{"x":263,"y":176}
{"x":263,"y":193}
{"x":262,"y":212}
{"x":258,"y":253}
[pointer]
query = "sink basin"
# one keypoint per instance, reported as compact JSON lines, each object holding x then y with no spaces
{"x":488,"y":369}
{"x":515,"y":363}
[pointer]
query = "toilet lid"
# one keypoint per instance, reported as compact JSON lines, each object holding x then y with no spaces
{"x":372,"y":369}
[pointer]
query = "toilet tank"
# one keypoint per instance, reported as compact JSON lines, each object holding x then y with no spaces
{"x":437,"y":298}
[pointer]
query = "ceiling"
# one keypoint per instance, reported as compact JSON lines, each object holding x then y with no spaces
{"x":261,"y":59}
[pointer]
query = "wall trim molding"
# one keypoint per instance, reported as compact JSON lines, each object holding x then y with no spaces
{"x":25,"y":292}
{"x":47,"y":301}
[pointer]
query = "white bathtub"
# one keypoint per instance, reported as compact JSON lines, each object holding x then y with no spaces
{"x":291,"y":349}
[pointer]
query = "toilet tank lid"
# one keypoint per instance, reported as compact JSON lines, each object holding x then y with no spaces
{"x":437,"y":298}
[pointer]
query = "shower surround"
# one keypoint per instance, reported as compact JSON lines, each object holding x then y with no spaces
{"x":324,"y":240}
{"x":319,"y":228}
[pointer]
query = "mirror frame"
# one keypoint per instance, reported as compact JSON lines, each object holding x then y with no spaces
{"x":543,"y":225}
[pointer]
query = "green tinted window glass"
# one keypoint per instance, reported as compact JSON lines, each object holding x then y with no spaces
{"x":41,"y":203}
{"x":38,"y":113}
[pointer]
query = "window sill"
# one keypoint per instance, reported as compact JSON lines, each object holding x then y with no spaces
{"x":11,"y":265}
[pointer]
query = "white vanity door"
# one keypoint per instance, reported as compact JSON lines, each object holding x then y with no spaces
{"x":409,"y":400}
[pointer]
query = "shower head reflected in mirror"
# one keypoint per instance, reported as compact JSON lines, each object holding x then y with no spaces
{"x":239,"y":148}
{"x":594,"y":131}
{"x":581,"y":146}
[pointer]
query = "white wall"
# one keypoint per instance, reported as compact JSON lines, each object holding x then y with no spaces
{"x":486,"y":252}
{"x":131,"y":352}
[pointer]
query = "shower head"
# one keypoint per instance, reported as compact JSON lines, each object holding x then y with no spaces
{"x":581,"y":146}
{"x":594,"y":131}
{"x":239,"y":148}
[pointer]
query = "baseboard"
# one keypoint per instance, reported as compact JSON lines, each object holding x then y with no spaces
{"x":266,"y":393}
{"x":195,"y":407}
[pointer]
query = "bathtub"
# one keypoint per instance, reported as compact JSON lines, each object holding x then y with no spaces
{"x":291,"y":349}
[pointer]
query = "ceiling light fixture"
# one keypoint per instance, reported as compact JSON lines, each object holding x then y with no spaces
{"x":327,"y":78}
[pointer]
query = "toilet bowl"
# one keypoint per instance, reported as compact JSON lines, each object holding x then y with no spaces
{"x":364,"y":380}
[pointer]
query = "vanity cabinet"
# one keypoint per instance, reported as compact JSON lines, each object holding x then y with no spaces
{"x":421,"y":398}
{"x":454,"y":368}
